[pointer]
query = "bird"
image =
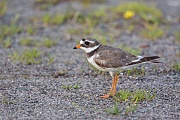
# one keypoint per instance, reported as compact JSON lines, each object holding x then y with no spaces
{"x":111,"y":59}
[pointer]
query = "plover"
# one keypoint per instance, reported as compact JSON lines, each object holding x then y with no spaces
{"x":107,"y":58}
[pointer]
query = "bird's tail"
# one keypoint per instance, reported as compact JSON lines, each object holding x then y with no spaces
{"x":152,"y":59}
{"x":141,"y":59}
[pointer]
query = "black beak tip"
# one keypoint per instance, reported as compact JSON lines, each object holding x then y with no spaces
{"x":75,"y":47}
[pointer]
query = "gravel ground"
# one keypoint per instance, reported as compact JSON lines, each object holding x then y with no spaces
{"x":32,"y":91}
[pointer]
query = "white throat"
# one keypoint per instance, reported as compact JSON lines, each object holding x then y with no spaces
{"x":88,"y":50}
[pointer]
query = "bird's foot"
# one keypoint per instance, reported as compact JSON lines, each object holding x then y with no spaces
{"x":105,"y":96}
{"x":110,"y":94}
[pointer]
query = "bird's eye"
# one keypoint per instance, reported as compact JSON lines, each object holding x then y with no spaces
{"x":83,"y":39}
{"x":87,"y":43}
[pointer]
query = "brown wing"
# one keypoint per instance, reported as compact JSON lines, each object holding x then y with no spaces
{"x":113,"y":58}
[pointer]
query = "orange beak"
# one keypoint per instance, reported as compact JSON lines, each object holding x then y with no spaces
{"x":77,"y":46}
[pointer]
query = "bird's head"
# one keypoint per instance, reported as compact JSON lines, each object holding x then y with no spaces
{"x":88,"y":45}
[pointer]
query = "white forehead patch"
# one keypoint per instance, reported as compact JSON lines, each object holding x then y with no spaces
{"x":81,"y":42}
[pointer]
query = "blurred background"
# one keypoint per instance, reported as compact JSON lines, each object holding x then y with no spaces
{"x":146,"y":27}
{"x":43,"y":77}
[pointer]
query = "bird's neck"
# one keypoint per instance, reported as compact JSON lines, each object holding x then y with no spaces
{"x":92,"y":52}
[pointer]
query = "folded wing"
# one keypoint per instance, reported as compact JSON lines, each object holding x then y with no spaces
{"x":113,"y":58}
{"x":118,"y":58}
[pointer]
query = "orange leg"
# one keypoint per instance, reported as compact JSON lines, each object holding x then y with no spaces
{"x":113,"y":87}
